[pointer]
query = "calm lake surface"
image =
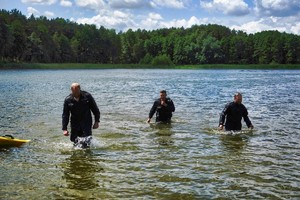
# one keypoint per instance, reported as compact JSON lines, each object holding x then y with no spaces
{"x":131,"y":159}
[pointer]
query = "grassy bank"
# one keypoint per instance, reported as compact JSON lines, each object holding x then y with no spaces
{"x":239,"y":66}
{"x":138,"y":66}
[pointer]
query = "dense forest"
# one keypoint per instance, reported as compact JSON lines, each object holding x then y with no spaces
{"x":42,"y":40}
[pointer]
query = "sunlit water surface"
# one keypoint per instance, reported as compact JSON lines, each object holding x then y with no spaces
{"x":130,"y":159}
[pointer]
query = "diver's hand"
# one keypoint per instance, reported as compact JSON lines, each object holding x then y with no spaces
{"x":148,"y":120}
{"x":96,"y":125}
{"x":163,"y":103}
{"x":221,"y":127}
{"x":251,"y":126}
{"x":66,"y":132}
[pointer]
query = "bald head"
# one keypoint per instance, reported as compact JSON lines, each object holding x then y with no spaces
{"x":75,"y":88}
{"x":74,"y":85}
{"x":238,"y":98}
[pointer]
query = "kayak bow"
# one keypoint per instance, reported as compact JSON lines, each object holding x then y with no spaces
{"x":9,"y":141}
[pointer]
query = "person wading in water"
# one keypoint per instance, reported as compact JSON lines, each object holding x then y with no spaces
{"x":80,"y":104}
{"x":163,"y":107}
{"x":234,"y":112}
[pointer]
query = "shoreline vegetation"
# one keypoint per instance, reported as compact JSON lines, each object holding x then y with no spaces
{"x":58,"y":66}
{"x":33,"y":39}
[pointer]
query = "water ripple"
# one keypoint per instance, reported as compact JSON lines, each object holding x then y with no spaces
{"x":130,"y":159}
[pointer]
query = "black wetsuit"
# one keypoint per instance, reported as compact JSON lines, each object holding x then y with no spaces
{"x":234,"y":113}
{"x":163,"y":113}
{"x":81,"y":118}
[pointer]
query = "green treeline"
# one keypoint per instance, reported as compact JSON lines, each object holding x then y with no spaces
{"x":42,"y":40}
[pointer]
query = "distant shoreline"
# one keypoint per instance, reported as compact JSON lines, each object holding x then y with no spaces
{"x":140,"y":66}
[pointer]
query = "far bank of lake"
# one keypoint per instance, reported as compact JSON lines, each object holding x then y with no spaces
{"x":140,"y":66}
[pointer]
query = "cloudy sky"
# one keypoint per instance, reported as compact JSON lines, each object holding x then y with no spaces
{"x":250,"y":16}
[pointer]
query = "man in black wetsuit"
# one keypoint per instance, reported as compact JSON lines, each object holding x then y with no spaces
{"x":234,"y":112}
{"x":163,"y":107}
{"x":79,"y":104}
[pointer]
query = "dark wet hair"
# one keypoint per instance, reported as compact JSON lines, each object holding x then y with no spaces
{"x":163,"y":91}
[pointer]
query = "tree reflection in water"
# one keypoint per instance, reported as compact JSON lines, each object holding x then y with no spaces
{"x":80,"y":170}
{"x":165,"y":132}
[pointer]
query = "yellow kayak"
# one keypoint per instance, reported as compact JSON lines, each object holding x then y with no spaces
{"x":9,"y":141}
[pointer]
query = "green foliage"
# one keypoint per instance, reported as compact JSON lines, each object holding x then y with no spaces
{"x":162,"y":60}
{"x":147,"y":59}
{"x":211,"y":51}
{"x":62,"y":41}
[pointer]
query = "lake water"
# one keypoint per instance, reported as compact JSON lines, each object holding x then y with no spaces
{"x":131,"y":159}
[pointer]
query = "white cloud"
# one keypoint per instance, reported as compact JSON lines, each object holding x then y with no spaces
{"x":228,"y":7}
{"x":66,"y":3}
{"x":116,"y":20}
{"x":276,"y":4}
{"x":36,"y":13}
{"x":155,"y":16}
{"x":150,"y":22}
{"x":270,"y":23}
{"x":123,"y":21}
{"x":296,"y":28}
{"x":42,"y":2}
{"x":178,"y":4}
{"x":186,"y":23}
{"x":252,"y":26}
{"x":131,"y":4}
{"x":32,"y":11}
{"x":277,"y":7}
{"x":122,"y":15}
{"x":49,"y":14}
{"x":91,"y":4}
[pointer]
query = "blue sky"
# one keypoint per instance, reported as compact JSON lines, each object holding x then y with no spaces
{"x":250,"y":16}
